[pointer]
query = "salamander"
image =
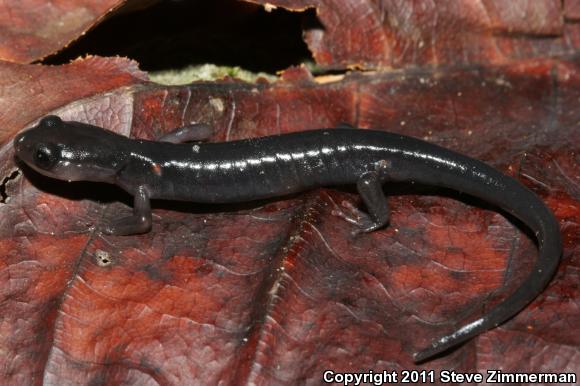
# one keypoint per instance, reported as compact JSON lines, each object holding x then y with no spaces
{"x":228,"y":172}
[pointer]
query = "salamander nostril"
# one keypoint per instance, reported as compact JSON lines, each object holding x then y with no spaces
{"x":18,"y":142}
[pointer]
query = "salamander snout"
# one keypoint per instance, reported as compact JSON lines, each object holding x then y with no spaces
{"x":70,"y":151}
{"x":38,"y":155}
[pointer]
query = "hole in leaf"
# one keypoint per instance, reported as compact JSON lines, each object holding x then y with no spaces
{"x":5,"y":181}
{"x":103,"y":258}
{"x":176,"y":34}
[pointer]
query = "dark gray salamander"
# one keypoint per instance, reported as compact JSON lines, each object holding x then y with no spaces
{"x":273,"y":166}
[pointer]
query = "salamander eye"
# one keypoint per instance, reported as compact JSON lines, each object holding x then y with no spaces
{"x":45,"y":157}
{"x":50,"y":121}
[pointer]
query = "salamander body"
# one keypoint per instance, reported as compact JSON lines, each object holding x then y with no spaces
{"x":258,"y":168}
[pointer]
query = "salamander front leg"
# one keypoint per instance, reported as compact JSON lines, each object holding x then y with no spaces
{"x":190,"y":133}
{"x":139,"y":222}
{"x":370,"y":188}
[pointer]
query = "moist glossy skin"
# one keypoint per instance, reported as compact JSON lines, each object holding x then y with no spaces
{"x":273,"y":166}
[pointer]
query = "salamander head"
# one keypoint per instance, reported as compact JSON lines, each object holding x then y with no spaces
{"x":70,"y":151}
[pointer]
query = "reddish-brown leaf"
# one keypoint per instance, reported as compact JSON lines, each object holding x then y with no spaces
{"x":393,"y":33}
{"x":277,"y":291}
{"x":33,"y":29}
{"x":348,"y":33}
{"x":31,"y":91}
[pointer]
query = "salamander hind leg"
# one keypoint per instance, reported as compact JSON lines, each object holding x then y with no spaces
{"x":139,"y":222}
{"x":370,"y":188}
{"x":190,"y":133}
